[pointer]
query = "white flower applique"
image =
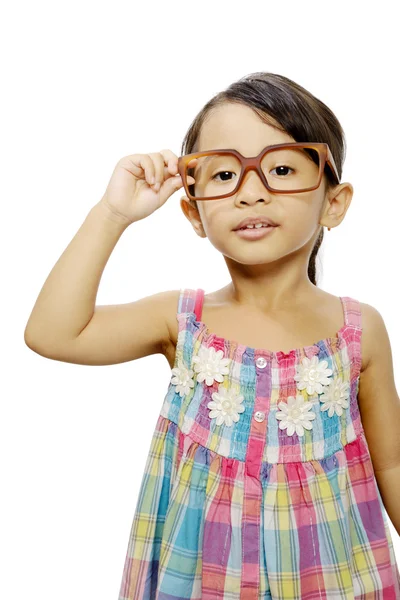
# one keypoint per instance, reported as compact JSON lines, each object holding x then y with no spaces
{"x":226,"y":406}
{"x":312,"y":375}
{"x":335,"y":397}
{"x":182,"y":378}
{"x":210,"y":365}
{"x":294,"y":415}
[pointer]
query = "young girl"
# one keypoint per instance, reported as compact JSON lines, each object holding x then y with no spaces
{"x":270,"y":470}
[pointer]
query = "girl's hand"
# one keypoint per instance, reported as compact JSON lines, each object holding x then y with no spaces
{"x":131,"y":194}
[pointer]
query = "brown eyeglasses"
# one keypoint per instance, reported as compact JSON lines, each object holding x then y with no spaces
{"x":306,"y":161}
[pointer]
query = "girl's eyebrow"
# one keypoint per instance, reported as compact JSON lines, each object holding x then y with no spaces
{"x":233,"y":148}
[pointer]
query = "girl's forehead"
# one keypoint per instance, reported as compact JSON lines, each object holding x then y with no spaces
{"x":238,"y":127}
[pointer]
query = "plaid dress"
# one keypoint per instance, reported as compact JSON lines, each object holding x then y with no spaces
{"x":259,"y":482}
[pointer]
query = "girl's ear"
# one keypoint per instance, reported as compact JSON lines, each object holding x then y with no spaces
{"x":337,"y":203}
{"x":188,"y":207}
{"x":188,"y":204}
{"x":185,"y":198}
{"x":191,"y":212}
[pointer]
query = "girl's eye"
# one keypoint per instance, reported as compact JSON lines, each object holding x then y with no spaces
{"x":282,"y":167}
{"x":224,"y":173}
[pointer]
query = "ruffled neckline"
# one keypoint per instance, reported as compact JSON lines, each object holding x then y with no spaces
{"x":210,"y":338}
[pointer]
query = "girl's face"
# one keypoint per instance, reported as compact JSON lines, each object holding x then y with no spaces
{"x":299,"y":216}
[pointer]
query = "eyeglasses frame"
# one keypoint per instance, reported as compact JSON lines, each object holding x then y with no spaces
{"x":249,"y":163}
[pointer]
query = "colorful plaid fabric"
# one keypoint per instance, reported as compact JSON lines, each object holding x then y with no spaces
{"x":247,"y":511}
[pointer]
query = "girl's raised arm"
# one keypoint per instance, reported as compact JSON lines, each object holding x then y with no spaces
{"x":65,"y":324}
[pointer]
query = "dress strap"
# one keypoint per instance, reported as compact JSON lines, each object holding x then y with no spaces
{"x":191,"y":301}
{"x":352,"y":311}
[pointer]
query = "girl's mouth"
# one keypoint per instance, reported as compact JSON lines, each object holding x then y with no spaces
{"x":255,"y":233}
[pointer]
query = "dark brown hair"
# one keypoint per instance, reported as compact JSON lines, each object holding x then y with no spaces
{"x":291,"y":107}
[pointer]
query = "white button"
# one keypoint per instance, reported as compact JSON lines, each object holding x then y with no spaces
{"x":259,"y":416}
{"x":261,"y":362}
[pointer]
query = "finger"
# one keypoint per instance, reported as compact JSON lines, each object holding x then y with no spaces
{"x":171,"y":161}
{"x":140,"y":165}
{"x":159,"y":168}
{"x":170,"y":185}
{"x":144,"y":162}
{"x":177,"y":180}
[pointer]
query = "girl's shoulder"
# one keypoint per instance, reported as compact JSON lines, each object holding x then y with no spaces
{"x":373,"y":328}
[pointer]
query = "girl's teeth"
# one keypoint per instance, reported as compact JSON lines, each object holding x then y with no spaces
{"x":255,"y":226}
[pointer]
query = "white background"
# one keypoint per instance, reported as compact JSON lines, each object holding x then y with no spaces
{"x":85,"y":83}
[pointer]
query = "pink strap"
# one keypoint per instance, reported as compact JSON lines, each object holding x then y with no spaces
{"x":352,"y":311}
{"x":191,"y":301}
{"x":198,"y":307}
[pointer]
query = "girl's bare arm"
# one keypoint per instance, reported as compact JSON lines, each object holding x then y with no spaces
{"x":66,"y":325}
